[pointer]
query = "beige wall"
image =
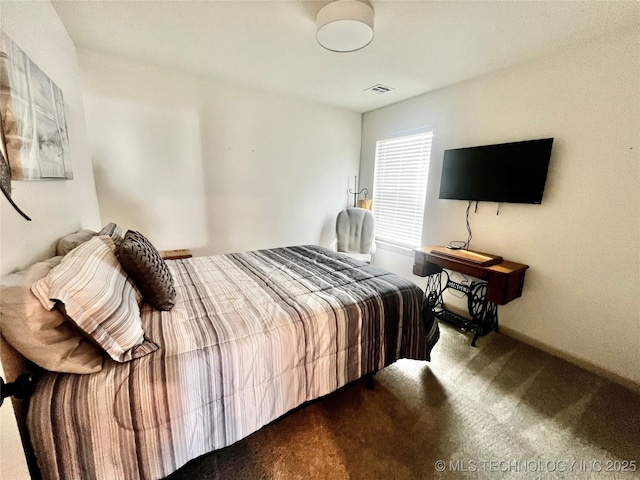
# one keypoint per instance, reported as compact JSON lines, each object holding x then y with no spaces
{"x":55,"y":207}
{"x":582,"y":293}
{"x":215,"y":167}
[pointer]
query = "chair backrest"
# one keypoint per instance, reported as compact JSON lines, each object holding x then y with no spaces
{"x":355,"y":230}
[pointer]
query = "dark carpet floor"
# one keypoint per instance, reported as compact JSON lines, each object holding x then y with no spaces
{"x":501,"y":410}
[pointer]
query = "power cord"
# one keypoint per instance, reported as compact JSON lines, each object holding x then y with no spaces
{"x":460,"y":244}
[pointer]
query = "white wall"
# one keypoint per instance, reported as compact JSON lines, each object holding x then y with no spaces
{"x":582,"y":293}
{"x":215,"y":167}
{"x":55,"y":207}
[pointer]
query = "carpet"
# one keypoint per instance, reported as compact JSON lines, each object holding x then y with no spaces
{"x":501,"y":410}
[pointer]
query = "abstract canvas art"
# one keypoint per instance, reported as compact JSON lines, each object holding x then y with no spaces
{"x":5,"y":176}
{"x":32,"y":112}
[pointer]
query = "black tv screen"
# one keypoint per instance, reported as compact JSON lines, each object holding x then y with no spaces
{"x":507,"y":172}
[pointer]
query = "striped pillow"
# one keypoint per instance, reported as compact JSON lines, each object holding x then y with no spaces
{"x":95,"y":293}
{"x":114,"y":231}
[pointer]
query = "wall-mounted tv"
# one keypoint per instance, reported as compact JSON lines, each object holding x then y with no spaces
{"x":507,"y":172}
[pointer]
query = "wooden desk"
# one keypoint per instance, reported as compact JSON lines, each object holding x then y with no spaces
{"x":501,"y":283}
{"x":176,"y":254}
{"x":504,"y":280}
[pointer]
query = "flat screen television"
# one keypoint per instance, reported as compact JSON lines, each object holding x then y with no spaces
{"x":507,"y":172}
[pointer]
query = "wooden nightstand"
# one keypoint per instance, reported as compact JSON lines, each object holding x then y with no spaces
{"x":176,"y":254}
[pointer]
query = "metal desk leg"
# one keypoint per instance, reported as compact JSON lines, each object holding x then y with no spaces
{"x":484,"y":312}
{"x":435,"y":288}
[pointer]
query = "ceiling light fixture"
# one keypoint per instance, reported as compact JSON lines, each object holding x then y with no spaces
{"x":345,"y":26}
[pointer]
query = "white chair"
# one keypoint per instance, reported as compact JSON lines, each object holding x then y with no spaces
{"x":355,"y":234}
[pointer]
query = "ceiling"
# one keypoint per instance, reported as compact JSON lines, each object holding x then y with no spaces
{"x":418,"y":46}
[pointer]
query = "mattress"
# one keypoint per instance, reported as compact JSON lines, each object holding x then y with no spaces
{"x":252,"y":336}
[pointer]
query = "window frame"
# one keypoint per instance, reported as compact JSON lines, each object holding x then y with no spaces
{"x":405,"y":248}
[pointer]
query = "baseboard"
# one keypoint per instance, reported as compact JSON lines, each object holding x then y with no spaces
{"x":625,"y":382}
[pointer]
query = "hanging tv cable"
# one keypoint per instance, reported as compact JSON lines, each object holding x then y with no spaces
{"x":461,"y":244}
{"x":468,"y":244}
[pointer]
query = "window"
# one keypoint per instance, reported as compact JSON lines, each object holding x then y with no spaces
{"x":400,"y":187}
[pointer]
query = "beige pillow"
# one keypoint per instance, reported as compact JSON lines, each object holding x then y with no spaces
{"x":71,"y":241}
{"x":44,"y":337}
{"x":95,"y":293}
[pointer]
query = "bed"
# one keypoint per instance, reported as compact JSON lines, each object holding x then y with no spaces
{"x":251,"y":336}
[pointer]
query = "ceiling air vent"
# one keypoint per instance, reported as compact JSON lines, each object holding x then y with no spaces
{"x":379,"y":88}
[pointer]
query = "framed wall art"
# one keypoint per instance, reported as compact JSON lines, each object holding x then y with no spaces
{"x":5,"y":175}
{"x":32,"y":113}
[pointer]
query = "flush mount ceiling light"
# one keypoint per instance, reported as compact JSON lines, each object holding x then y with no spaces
{"x":345,"y":25}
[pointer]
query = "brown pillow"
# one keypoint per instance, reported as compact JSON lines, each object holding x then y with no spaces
{"x":148,"y":270}
{"x":95,"y":293}
{"x":71,"y":241}
{"x":42,"y":336}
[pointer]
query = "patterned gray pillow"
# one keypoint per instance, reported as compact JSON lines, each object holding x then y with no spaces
{"x":148,"y":270}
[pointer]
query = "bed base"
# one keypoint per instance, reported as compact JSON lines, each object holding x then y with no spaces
{"x":368,"y":379}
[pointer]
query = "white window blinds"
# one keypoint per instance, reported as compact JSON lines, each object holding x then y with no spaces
{"x":400,"y":187}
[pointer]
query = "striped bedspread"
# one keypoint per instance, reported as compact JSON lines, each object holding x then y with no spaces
{"x":252,"y":336}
